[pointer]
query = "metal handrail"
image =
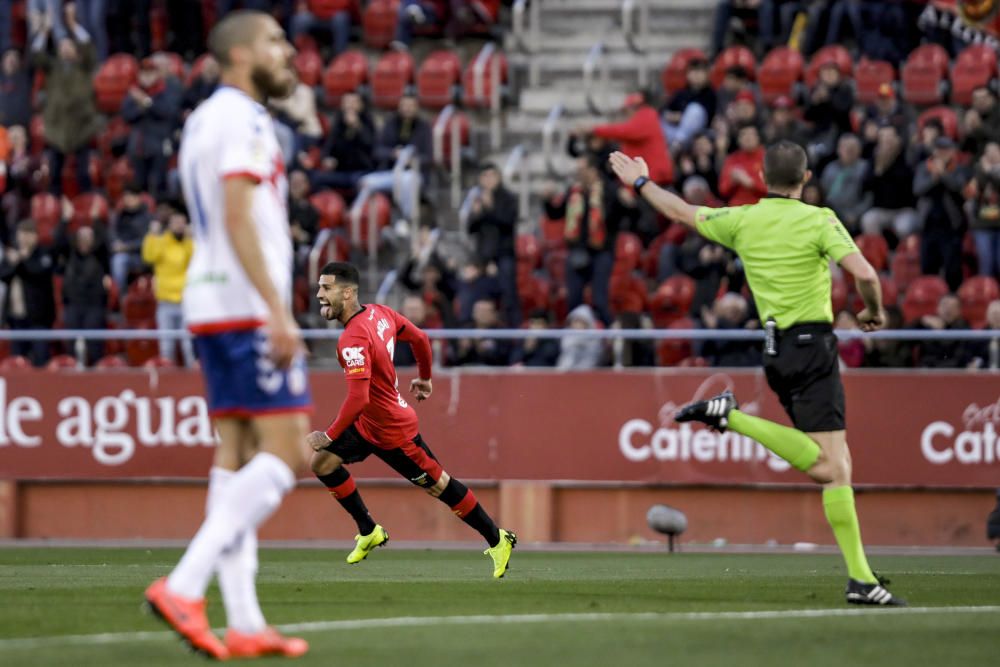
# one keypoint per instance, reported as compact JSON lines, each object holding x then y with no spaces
{"x":323,"y":238}
{"x":517,"y":24}
{"x":520,"y":334}
{"x":449,"y":116}
{"x":636,"y":33}
{"x":465,"y":210}
{"x":594,"y":59}
{"x":488,"y":56}
{"x":357,"y":209}
{"x":515,"y":165}
{"x":479,"y":71}
{"x":548,"y":133}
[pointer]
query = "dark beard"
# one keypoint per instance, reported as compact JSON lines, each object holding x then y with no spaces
{"x":269,"y":86}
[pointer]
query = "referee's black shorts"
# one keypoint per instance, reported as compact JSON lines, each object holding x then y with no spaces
{"x":805,"y":375}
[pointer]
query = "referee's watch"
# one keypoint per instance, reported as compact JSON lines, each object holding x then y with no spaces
{"x":639,"y":182}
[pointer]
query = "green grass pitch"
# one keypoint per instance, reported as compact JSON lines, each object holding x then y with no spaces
{"x":442,"y":608}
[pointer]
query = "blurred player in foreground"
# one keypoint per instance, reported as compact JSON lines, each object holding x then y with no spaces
{"x":375,"y":419}
{"x":236,"y":302}
{"x":786,"y":247}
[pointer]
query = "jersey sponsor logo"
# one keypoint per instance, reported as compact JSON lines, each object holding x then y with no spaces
{"x":382,"y":325}
{"x":354,"y":357}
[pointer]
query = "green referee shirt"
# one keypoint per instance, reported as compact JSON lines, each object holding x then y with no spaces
{"x":786,"y":247}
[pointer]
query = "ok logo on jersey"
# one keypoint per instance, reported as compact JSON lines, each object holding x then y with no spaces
{"x":354,"y":357}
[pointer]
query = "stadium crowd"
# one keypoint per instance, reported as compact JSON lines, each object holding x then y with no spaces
{"x":95,"y":233}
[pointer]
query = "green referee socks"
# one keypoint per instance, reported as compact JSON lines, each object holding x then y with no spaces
{"x":838,"y":503}
{"x":790,"y":444}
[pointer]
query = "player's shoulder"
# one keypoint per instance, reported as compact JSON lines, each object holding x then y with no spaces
{"x":229,"y":109}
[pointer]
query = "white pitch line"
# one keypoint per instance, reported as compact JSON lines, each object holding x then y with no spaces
{"x":508,"y":619}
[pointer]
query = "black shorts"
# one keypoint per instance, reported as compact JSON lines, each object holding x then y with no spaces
{"x":805,"y":375}
{"x":414,"y":460}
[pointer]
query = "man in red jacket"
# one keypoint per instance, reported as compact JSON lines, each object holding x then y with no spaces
{"x":641,"y":135}
{"x":742,"y":179}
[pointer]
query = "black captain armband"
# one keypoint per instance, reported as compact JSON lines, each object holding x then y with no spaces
{"x":639,"y":182}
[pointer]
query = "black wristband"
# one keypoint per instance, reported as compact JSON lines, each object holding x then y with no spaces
{"x":639,"y":182}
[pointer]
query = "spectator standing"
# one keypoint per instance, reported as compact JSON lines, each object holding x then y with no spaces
{"x":15,"y":90}
{"x":85,"y":289}
{"x":887,"y":110}
{"x":128,"y":228}
{"x":153,"y":109}
{"x":492,"y":224}
{"x":982,"y":121}
{"x":349,"y":147}
{"x":594,"y":211}
{"x":303,"y":218}
{"x":938,"y":185}
{"x":405,"y":128}
{"x":324,"y":16}
{"x":843,"y":182}
{"x":742,"y":178}
{"x":169,"y":253}
{"x":30,"y":304}
{"x":944,"y":353}
{"x":578,"y":352}
{"x":203,"y":85}
{"x":70,"y":113}
{"x":691,"y":108}
{"x":983,"y":192}
{"x":700,"y":162}
{"x":22,"y":173}
{"x":483,"y":351}
{"x":129,"y":27}
{"x":430,"y":273}
{"x":537,"y":352}
{"x":727,"y":313}
{"x":640,"y":135}
{"x":93,"y":15}
{"x":889,"y":187}
{"x":783,"y":125}
{"x":829,"y":110}
{"x":922,"y":149}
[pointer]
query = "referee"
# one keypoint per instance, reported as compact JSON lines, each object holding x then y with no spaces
{"x":786,"y":247}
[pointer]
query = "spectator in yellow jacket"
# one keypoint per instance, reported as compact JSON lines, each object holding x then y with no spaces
{"x":169,"y":253}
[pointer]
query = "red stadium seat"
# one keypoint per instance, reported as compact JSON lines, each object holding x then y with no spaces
{"x":330,"y":207}
{"x":875,"y":249}
{"x":976,"y":293}
{"x":383,"y":212}
{"x":924,"y":75}
{"x":16,"y":363}
{"x":437,"y":78}
{"x":674,"y":75}
{"x":87,"y":208}
{"x":111,"y":83}
{"x":61,"y":361}
{"x":672,"y":299}
{"x":672,"y":352}
{"x":734,"y":55}
{"x":975,"y":66}
{"x":780,"y":71}
{"x":378,"y":23}
{"x":533,"y":293}
{"x":553,"y":232}
{"x":36,"y":132}
{"x":111,"y":361}
{"x":347,"y":73}
{"x":480,"y":99}
{"x":890,"y":293}
{"x":628,"y":251}
{"x":139,"y":303}
{"x":922,"y":297}
{"x":834,"y":53}
{"x":529,"y":250}
{"x":869,"y":76}
{"x":947,"y":116}
{"x":118,"y":175}
{"x":555,"y":266}
{"x":309,"y":66}
{"x":141,"y":350}
{"x":115,"y":134}
{"x":46,"y":212}
{"x":393,"y":73}
{"x":628,"y":293}
{"x":196,"y":68}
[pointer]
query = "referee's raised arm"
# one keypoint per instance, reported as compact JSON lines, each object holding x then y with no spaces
{"x":635,"y":174}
